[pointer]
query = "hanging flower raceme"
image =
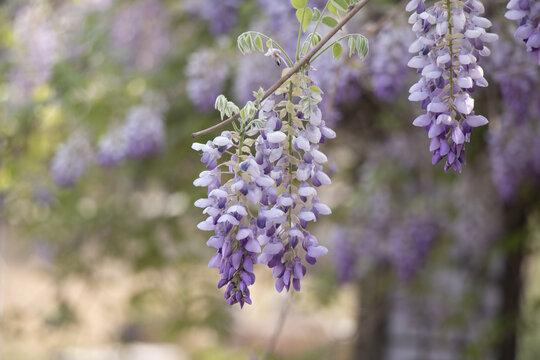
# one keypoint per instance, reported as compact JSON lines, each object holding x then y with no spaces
{"x":72,"y":159}
{"x":204,"y":86}
{"x":527,"y":14}
{"x":262,"y":182}
{"x":451,"y":36}
{"x":388,"y":61}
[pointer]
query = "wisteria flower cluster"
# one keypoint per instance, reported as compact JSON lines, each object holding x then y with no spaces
{"x":142,"y":134}
{"x":220,"y":14}
{"x":451,"y":36}
{"x":514,"y":149}
{"x":404,"y":244}
{"x":72,"y":159}
{"x":388,"y":61}
{"x":140,"y":36}
{"x":527,"y":14}
{"x":204,"y":86}
{"x":262,"y":182}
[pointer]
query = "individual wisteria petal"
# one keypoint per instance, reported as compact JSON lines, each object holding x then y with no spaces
{"x":450,"y":38}
{"x":476,"y":120}
{"x":527,"y":15}
{"x":279,"y":171}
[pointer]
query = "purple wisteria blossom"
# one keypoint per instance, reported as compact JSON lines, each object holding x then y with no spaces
{"x":37,"y":47}
{"x":252,"y":72}
{"x":112,"y":147}
{"x":203,"y":86}
{"x":221,"y":15}
{"x":451,"y":36}
{"x":527,"y":14}
{"x":140,"y":35}
{"x":387,"y":61}
{"x":144,"y":131}
{"x":345,"y":255}
{"x":261,"y":200}
{"x":278,"y":12}
{"x":513,"y":140}
{"x":72,"y":159}
{"x":409,"y":245}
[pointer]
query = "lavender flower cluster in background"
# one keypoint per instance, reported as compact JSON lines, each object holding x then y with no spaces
{"x":527,"y":14}
{"x":410,"y":244}
{"x":140,"y":35}
{"x":203,"y":85}
{"x":404,"y":244}
{"x":142,"y":134}
{"x":513,"y":140}
{"x":221,"y":15}
{"x":387,"y":61}
{"x":450,"y":38}
{"x":72,"y":159}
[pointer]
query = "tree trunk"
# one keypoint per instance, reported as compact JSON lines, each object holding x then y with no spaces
{"x":512,"y":280}
{"x":371,"y":335}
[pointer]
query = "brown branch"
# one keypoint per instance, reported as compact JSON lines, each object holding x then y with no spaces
{"x":304,"y":61}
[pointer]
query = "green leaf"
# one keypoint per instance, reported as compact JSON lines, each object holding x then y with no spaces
{"x":332,"y":9}
{"x":299,"y":4}
{"x":316,"y":39}
{"x":329,"y":21}
{"x":305,"y":14}
{"x":340,"y":4}
{"x":337,"y":50}
{"x":316,"y":15}
{"x":315,"y":89}
{"x":362,"y":44}
{"x":259,"y":43}
{"x":352,"y":46}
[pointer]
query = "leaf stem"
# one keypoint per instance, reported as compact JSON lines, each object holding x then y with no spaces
{"x":320,"y":19}
{"x":300,"y":32}
{"x":335,"y":42}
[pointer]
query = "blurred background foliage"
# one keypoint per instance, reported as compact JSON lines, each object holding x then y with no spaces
{"x":423,"y":264}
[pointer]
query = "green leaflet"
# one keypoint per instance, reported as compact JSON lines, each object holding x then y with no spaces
{"x":304,"y":16}
{"x":329,"y":21}
{"x":337,"y":50}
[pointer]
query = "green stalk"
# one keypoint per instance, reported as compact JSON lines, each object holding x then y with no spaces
{"x":449,"y":21}
{"x":300,"y":34}
{"x":320,"y":19}
{"x":289,"y":134}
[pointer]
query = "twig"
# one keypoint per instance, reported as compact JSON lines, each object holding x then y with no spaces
{"x":277,"y":331}
{"x":304,"y":61}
